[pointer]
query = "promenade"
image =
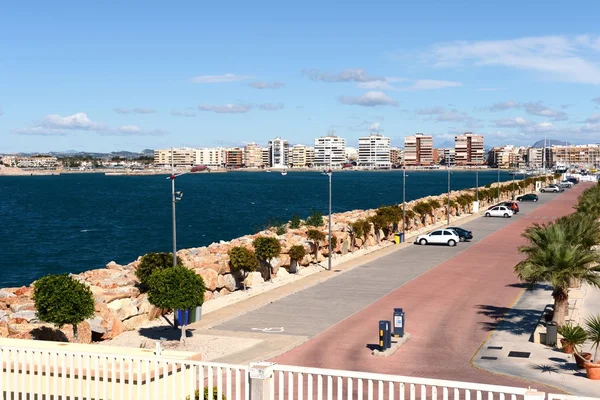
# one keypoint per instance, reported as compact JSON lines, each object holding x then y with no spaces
{"x":452,"y":297}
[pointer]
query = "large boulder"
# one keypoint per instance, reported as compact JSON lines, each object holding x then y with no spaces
{"x":254,"y":279}
{"x":227,"y":281}
{"x":210,"y":277}
{"x":124,"y":308}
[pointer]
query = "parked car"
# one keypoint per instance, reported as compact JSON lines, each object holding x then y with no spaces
{"x":552,"y":189}
{"x":499,"y":211}
{"x":528,"y":197}
{"x":573,"y":180}
{"x":463,"y":234}
{"x":567,"y":183}
{"x":439,"y":236}
{"x":514,"y":207}
{"x":564,"y":185}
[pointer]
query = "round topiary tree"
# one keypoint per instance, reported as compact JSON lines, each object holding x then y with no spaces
{"x":316,"y":236}
{"x":176,"y":288}
{"x":61,"y":300}
{"x":150,"y":263}
{"x":297,"y":253}
{"x":267,"y":248}
{"x":242,"y":261}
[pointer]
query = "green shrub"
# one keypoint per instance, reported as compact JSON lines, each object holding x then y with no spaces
{"x":266,"y":249}
{"x":315,"y":219}
{"x":176,"y":288}
{"x":152,"y":262}
{"x":281,"y":230}
{"x":242,"y":259}
{"x":297,"y":252}
{"x":295,"y":222}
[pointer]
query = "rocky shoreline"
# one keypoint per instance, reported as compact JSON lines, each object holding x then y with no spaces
{"x":120,"y":306}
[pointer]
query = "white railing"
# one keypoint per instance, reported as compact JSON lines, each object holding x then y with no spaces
{"x":62,"y":374}
{"x":34,"y":372}
{"x":312,"y":383}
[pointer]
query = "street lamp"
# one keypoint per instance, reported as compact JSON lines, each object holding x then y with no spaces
{"x":477,"y":185}
{"x":329,"y":173}
{"x":175,"y":197}
{"x":403,"y":201}
{"x":498,"y":182}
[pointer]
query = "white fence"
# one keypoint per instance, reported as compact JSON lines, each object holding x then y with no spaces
{"x":35,"y":373}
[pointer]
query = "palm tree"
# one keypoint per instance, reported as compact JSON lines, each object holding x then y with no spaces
{"x":553,"y":258}
{"x":581,"y":229}
{"x":589,"y":202}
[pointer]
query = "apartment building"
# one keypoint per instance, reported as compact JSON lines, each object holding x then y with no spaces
{"x":579,"y":156}
{"x":266,"y":158}
{"x":507,"y":157}
{"x":310,"y":156}
{"x":374,"y":152}
{"x":330,"y":152}
{"x":469,"y":150}
{"x":253,"y":156}
{"x":396,"y":156}
{"x":278,"y":152}
{"x":211,"y":157}
{"x":535,"y":157}
{"x":447,"y":156}
{"x":418,"y":149}
{"x":33,"y":162}
{"x":177,"y":156}
{"x":298,"y":158}
{"x":234,"y":157}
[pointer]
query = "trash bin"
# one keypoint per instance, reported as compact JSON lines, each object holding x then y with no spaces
{"x":195,"y":314}
{"x":182,"y":317}
{"x":399,"y":238}
{"x":551,"y":333}
{"x":385,"y":335}
{"x":398,"y":322}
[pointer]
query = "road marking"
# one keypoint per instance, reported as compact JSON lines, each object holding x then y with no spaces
{"x":269,"y":330}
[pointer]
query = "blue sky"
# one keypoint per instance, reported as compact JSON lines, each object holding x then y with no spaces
{"x":134,"y":75}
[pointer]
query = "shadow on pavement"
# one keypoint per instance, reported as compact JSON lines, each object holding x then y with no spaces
{"x":518,"y":322}
{"x":522,"y":285}
{"x":164,"y":332}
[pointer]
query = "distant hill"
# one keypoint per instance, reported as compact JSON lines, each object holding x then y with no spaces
{"x":549,"y":142}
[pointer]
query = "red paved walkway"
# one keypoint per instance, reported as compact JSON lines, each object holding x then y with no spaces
{"x":443,"y":309}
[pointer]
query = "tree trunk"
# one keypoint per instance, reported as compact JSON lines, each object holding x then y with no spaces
{"x":75,"y":334}
{"x":182,"y":338}
{"x":561,"y":305}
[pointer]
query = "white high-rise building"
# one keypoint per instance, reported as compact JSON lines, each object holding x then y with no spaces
{"x":210,"y":156}
{"x":374,"y":152}
{"x":278,"y":153}
{"x":330,"y":152}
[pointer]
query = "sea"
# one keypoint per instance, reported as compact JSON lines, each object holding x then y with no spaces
{"x":76,"y":222}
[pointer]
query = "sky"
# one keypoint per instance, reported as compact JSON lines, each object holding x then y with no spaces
{"x":114,"y":75}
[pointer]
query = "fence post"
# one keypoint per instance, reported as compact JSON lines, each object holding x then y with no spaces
{"x":261,"y":379}
{"x":533,"y":394}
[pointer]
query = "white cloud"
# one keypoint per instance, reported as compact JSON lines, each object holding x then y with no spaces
{"x":177,"y":113}
{"x":430,"y":84}
{"x":594,"y":118}
{"x":56,"y":125}
{"x":505,"y":105}
{"x":226,"y":108}
{"x":565,"y":58}
{"x":141,"y":110}
{"x":346,"y":75}
{"x":369,"y":99}
{"x":221,"y":78}
{"x":375,"y":127}
{"x":542,"y":127}
{"x":512,"y":122}
{"x":266,"y":85}
{"x":542,"y":111}
{"x":376,"y":85}
{"x":431,"y":111}
{"x":271,"y":106}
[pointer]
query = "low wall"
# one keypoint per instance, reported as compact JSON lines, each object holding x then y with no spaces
{"x":120,"y":306}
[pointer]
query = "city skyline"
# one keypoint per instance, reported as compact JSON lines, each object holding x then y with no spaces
{"x":137,"y":77}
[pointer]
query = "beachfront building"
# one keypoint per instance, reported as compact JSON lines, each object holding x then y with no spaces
{"x":579,"y":156}
{"x":396,"y":156}
{"x":278,"y":153}
{"x":447,"y":156}
{"x":418,"y":149}
{"x":234,"y":157}
{"x":507,"y":156}
{"x":266,"y":159}
{"x":36,"y":162}
{"x":468,"y":149}
{"x":177,"y":156}
{"x":330,"y":152}
{"x":298,"y":158}
{"x":535,"y":157}
{"x":253,"y":155}
{"x":211,"y":157}
{"x":310,"y":156}
{"x":374,"y":152}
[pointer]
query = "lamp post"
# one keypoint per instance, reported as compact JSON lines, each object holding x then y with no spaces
{"x":404,"y":201}
{"x":448,"y":210}
{"x":477,"y":185}
{"x":175,"y":197}
{"x":498,"y":182}
{"x":329,"y":173}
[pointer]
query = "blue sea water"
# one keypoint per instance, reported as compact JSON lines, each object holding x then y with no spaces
{"x":76,"y":222}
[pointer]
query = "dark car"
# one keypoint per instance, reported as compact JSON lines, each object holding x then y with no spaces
{"x":514,"y":207}
{"x":463,"y":234}
{"x":574,"y":180}
{"x":528,"y":197}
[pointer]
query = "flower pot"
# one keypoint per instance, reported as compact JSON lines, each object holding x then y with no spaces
{"x":566,"y":348}
{"x":582,"y":358}
{"x":592,"y":370}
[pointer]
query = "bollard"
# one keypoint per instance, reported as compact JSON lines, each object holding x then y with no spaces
{"x":385,"y":339}
{"x":399,"y":322}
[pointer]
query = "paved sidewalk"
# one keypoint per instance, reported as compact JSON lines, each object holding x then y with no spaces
{"x":544,"y":364}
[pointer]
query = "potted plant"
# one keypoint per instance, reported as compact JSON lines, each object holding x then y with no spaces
{"x":297,"y":253}
{"x":573,"y":337}
{"x":592,"y":368}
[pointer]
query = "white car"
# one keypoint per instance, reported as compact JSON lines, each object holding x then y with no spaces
{"x":439,"y":236}
{"x":568,"y":184}
{"x":499,"y":211}
{"x":552,"y":189}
